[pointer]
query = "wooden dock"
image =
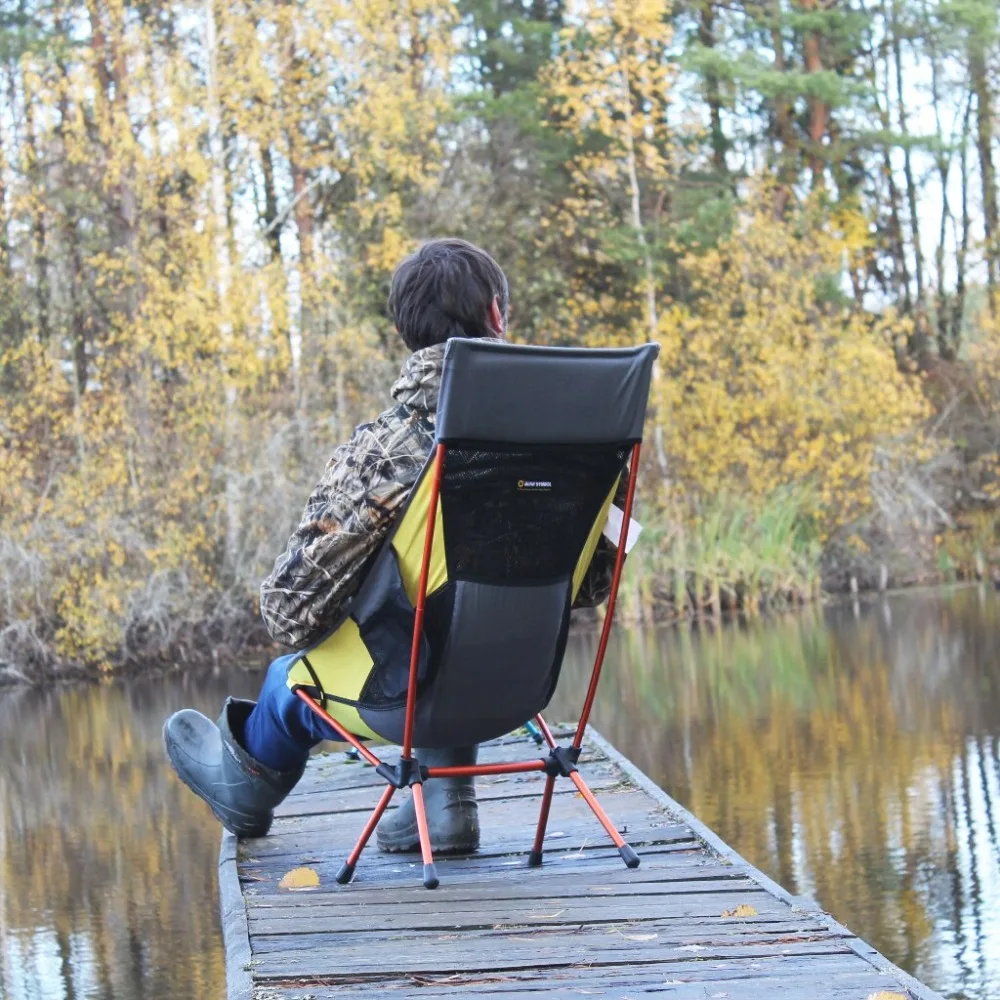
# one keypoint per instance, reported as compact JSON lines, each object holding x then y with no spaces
{"x":694,"y":921}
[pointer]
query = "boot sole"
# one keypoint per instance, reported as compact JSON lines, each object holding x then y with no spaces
{"x":171,"y":745}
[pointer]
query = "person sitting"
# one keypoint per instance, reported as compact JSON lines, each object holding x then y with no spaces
{"x":245,"y":764}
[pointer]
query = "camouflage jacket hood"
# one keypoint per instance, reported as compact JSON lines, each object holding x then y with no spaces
{"x":419,"y":383}
{"x":361,"y":492}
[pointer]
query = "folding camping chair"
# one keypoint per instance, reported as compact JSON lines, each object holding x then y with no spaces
{"x":457,"y":634}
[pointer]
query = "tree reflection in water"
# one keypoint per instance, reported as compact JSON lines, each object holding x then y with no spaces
{"x":107,"y":865}
{"x":851,"y":753}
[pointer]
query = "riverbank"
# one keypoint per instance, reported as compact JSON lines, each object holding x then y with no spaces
{"x":253,"y":658}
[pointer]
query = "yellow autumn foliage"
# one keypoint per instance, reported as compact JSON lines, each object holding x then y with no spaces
{"x":177,"y":394}
{"x":771,"y":378}
{"x":200,"y":220}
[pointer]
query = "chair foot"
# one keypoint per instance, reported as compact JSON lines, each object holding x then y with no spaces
{"x":629,"y":856}
{"x":534,"y":859}
{"x":346,"y":873}
{"x":430,"y":877}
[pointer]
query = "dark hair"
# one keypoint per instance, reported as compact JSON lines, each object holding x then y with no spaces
{"x":444,"y":290}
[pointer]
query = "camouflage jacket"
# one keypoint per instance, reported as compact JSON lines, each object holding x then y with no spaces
{"x":349,"y":514}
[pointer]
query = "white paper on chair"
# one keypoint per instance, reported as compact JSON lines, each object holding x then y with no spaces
{"x":613,"y":528}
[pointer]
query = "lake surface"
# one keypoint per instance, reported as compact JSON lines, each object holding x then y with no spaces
{"x":852,"y":753}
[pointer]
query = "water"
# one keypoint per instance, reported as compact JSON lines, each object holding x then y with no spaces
{"x":852,"y":753}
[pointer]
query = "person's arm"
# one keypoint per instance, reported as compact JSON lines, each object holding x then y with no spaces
{"x":345,"y":521}
{"x":596,"y":584}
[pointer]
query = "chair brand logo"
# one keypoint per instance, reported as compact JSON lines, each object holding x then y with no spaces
{"x":534,"y":484}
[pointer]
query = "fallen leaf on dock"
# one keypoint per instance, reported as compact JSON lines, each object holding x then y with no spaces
{"x":743,"y":910}
{"x":300,"y":878}
{"x":886,"y":995}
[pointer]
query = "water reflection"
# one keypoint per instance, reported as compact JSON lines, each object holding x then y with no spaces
{"x":107,"y":873}
{"x":853,"y":754}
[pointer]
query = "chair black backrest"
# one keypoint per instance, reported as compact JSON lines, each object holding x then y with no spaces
{"x":535,"y":441}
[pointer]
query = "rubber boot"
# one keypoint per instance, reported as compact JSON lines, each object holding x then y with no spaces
{"x":452,"y":811}
{"x":209,"y":758}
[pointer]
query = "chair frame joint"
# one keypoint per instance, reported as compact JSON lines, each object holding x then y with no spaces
{"x":561,"y":761}
{"x":406,"y":773}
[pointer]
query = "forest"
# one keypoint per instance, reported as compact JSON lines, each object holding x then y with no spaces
{"x":201,"y":205}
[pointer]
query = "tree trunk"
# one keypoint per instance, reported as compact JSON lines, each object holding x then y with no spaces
{"x":706,"y":36}
{"x":10,"y":313}
{"x":819,"y":112}
{"x":71,"y":236}
{"x":987,"y":171}
{"x":36,"y":171}
{"x":636,"y":205}
{"x":782,"y":120}
{"x":112,"y":75}
{"x":301,"y":210}
{"x":272,"y":227}
{"x":942,"y":159}
{"x":961,"y":255}
{"x":223,"y":275}
{"x":897,"y":244}
{"x":652,"y":321}
{"x":911,"y":187}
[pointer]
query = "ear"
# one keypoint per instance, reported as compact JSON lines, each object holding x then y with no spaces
{"x":495,"y":317}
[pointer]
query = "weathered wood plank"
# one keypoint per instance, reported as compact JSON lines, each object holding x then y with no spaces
{"x":849,"y":986}
{"x":235,"y":929}
{"x":577,"y":982}
{"x":471,"y":898}
{"x":608,"y":876}
{"x":527,"y":912}
{"x":446,"y":957}
{"x":498,"y":856}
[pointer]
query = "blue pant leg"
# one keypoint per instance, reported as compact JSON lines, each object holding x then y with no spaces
{"x":282,"y":729}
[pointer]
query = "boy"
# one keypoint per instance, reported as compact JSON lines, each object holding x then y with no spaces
{"x":244,"y":765}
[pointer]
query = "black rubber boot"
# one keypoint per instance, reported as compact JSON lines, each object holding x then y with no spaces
{"x":209,"y":758}
{"x":452,"y":811}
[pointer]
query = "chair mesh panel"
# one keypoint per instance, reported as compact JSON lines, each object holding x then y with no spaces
{"x":522,"y":514}
{"x":386,"y":684}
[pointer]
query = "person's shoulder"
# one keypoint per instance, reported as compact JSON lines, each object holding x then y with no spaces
{"x":398,"y":427}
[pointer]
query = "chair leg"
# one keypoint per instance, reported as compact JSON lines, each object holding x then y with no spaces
{"x":430,"y":874}
{"x":346,"y":872}
{"x":629,"y":856}
{"x":535,"y":857}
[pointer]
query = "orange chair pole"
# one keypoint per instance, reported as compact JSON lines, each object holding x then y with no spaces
{"x":605,"y":820}
{"x":471,"y":770}
{"x":344,"y":734}
{"x":535,"y":857}
{"x":418,"y":617}
{"x":369,"y":829}
{"x":629,"y":856}
{"x":430,"y":875}
{"x":346,"y":872}
{"x":546,"y":732}
{"x":595,"y":677}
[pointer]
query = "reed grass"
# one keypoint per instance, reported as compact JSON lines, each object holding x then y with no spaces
{"x":722,"y":555}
